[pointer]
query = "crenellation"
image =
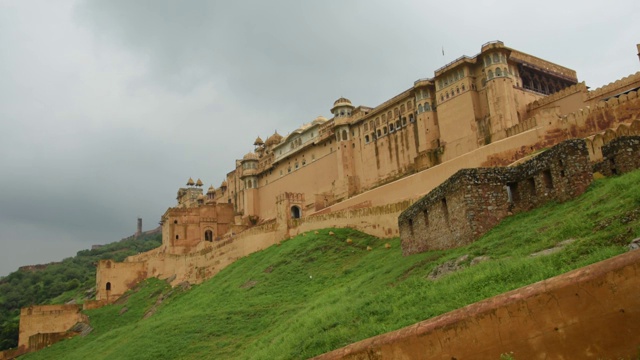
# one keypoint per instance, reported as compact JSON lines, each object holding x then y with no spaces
{"x":615,"y":87}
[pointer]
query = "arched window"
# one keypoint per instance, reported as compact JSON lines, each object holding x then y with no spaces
{"x":487,"y":60}
{"x":490,"y":74}
{"x":505,"y":72}
{"x":344,"y":135}
{"x":366,"y":139}
{"x":457,"y":90}
{"x":496,"y":58}
{"x":295,"y":212}
{"x":411,"y":118}
{"x":498,"y":72}
{"x":391,"y":128}
{"x":427,"y":107}
{"x":463,"y":87}
{"x":420,"y":108}
{"x":108,"y":286}
{"x":208,"y":235}
{"x":177,"y":237}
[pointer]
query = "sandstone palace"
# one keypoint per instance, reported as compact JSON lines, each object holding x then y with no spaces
{"x":362,"y":166}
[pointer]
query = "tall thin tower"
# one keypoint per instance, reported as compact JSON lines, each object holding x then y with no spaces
{"x":139,"y":230}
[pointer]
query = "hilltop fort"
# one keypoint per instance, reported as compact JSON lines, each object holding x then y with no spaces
{"x":363,"y":166}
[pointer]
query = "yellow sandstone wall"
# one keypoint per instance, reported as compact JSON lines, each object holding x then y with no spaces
{"x":47,"y":319}
{"x":113,"y":279}
{"x":588,"y":313}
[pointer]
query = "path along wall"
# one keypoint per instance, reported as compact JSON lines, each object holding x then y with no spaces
{"x":589,"y":313}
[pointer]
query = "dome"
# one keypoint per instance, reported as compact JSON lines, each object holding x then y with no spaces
{"x":211,"y":190}
{"x":274,"y":139}
{"x":319,"y":120}
{"x":190,"y":182}
{"x":224,"y":184}
{"x":342,"y":101}
{"x":199,"y":182}
{"x":250,"y":156}
{"x":258,"y":141}
{"x":200,"y":197}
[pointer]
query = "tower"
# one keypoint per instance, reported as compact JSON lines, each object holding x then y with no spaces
{"x":139,"y":230}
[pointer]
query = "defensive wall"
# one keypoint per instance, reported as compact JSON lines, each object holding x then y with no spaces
{"x":473,"y":201}
{"x":54,"y":321}
{"x":589,"y":313}
{"x":113,"y":279}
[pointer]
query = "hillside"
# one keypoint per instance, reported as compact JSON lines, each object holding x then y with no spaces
{"x":318,"y":292}
{"x":73,"y":278}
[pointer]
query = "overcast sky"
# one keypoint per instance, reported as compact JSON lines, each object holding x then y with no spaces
{"x":107,"y":107}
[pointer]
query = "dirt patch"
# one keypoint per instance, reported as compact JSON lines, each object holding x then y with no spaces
{"x":249,"y":284}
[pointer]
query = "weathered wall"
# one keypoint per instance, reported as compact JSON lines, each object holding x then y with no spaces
{"x":47,"y":319}
{"x":380,"y":221}
{"x":620,"y":156}
{"x":113,"y":279}
{"x":588,"y":313}
{"x":473,"y":201}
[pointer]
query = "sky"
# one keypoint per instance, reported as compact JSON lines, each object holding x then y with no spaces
{"x":108,"y":107}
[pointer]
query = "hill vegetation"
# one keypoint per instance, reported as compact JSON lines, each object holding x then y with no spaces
{"x":72,"y":279}
{"x":318,"y":292}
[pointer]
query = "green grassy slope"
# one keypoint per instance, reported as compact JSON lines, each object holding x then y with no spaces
{"x":315,"y":293}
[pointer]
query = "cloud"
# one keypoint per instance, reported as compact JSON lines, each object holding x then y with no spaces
{"x":106,"y":107}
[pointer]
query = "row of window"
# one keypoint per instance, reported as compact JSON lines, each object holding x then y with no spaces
{"x":249,"y":165}
{"x":450,"y":79}
{"x":425,"y":107}
{"x":422,"y":94}
{"x":457,"y":91}
{"x":385,"y":130}
{"x":391,"y":114}
{"x":495,"y":59}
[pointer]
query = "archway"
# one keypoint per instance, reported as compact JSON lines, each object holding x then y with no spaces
{"x":208,"y":235}
{"x":108,"y":286}
{"x":295,"y":212}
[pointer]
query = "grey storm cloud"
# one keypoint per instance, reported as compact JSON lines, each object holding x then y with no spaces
{"x":107,"y":107}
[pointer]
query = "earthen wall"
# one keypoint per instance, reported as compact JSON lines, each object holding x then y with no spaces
{"x":113,"y":279}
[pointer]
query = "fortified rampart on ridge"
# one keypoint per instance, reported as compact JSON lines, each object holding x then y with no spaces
{"x":473,"y":201}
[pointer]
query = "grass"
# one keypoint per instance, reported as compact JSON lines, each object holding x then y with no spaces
{"x":315,"y":293}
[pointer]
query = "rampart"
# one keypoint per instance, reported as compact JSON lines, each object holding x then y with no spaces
{"x":113,"y":279}
{"x":473,"y":201}
{"x":589,"y":313}
{"x":50,"y":322}
{"x":380,"y":221}
{"x":631,"y":82}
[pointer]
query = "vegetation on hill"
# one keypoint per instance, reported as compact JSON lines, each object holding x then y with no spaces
{"x":318,"y":292}
{"x":58,"y":283}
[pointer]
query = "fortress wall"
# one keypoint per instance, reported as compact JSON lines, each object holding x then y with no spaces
{"x":566,"y":100}
{"x":47,"y":319}
{"x":208,"y":258}
{"x":313,"y":178}
{"x":473,"y":201}
{"x":588,"y":313}
{"x":606,"y":118}
{"x":113,"y":279}
{"x":380,"y":221}
{"x":417,"y":185}
{"x":614,"y":88}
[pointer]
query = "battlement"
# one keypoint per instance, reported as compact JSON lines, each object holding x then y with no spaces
{"x":615,"y":87}
{"x":579,"y":87}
